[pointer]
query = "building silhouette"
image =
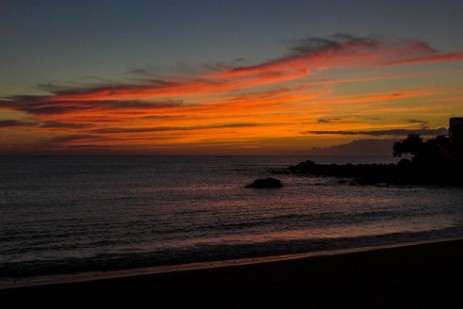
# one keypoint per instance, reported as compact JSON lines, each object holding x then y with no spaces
{"x":456,"y":138}
{"x":456,"y":130}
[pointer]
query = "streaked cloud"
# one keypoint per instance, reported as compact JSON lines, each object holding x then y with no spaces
{"x":64,"y":125}
{"x":16,"y":124}
{"x":389,"y":132}
{"x":167,"y":128}
{"x":69,"y":138}
{"x":445,"y":57}
{"x":42,"y":106}
{"x":307,"y":55}
{"x":231,"y":103}
{"x":331,"y":120}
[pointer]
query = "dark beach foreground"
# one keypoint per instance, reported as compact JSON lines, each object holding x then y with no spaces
{"x":421,"y":275}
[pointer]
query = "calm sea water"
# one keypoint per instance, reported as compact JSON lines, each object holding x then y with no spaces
{"x":62,"y":215}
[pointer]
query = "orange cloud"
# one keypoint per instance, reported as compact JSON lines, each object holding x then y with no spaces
{"x":457,"y":56}
{"x":236,"y":105}
{"x":350,"y":52}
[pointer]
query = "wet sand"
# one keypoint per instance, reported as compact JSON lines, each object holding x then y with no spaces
{"x":423,"y":275}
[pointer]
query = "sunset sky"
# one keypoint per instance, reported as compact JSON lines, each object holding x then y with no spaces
{"x":226,"y":77}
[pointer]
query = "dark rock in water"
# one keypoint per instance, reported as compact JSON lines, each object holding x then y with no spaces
{"x":266,"y":183}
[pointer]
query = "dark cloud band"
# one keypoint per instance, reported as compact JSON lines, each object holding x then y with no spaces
{"x":394,"y":132}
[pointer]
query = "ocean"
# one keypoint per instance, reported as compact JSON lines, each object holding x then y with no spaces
{"x":70,"y":215}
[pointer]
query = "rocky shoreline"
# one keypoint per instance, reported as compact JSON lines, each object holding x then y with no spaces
{"x":406,"y":172}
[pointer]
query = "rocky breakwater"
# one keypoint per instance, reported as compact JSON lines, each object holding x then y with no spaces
{"x":405,"y":172}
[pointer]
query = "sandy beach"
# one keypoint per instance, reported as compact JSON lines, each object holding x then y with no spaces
{"x":421,"y":275}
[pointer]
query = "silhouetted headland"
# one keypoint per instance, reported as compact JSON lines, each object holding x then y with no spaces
{"x":438,"y":161}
